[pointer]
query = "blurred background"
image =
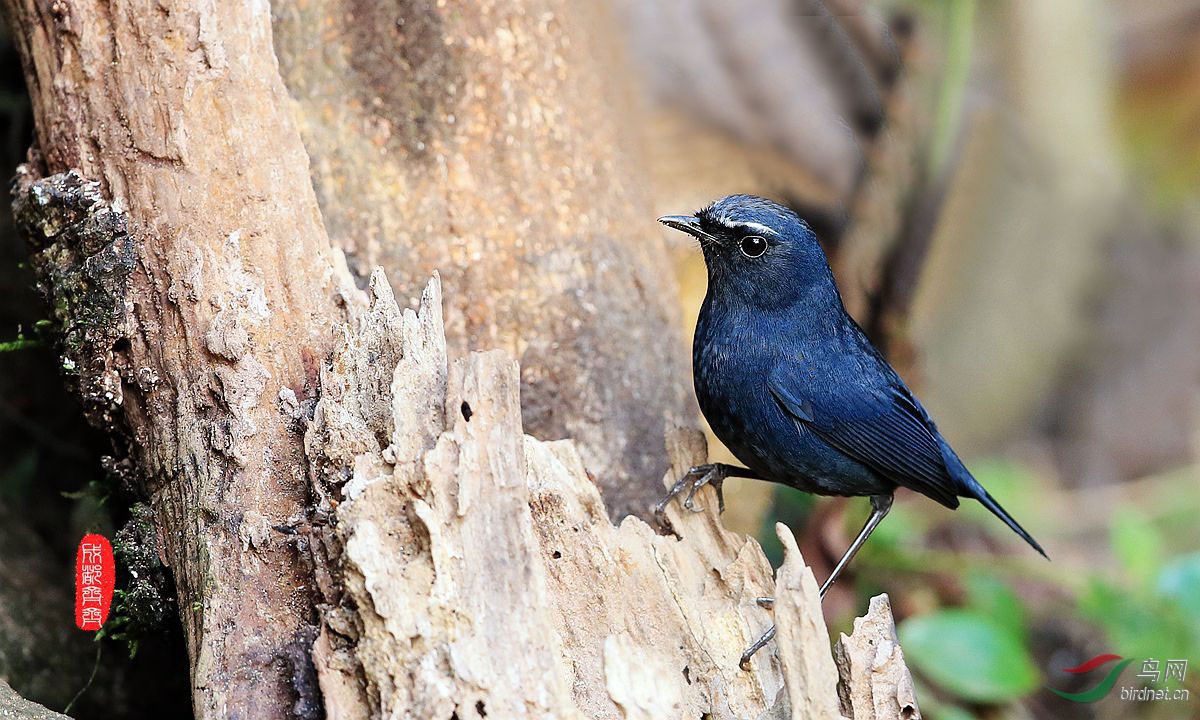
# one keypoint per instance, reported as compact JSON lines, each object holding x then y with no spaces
{"x":1009,"y":192}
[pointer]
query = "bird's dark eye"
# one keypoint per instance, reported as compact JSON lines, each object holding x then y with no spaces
{"x":753,"y":246}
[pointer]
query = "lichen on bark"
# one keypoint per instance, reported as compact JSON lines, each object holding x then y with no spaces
{"x":83,"y":257}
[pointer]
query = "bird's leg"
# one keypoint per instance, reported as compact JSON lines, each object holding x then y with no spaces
{"x":712,"y":474}
{"x":880,"y":505}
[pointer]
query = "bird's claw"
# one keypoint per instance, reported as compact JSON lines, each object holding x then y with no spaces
{"x":694,"y":479}
{"x":708,"y":475}
{"x":769,"y":635}
{"x":660,"y":510}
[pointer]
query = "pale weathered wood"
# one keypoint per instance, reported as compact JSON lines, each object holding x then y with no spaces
{"x":799,"y":641}
{"x":875,"y":683}
{"x":474,"y":569}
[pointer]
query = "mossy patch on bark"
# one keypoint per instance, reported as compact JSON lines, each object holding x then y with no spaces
{"x":144,"y":602}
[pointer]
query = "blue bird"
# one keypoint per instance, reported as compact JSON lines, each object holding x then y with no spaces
{"x":793,"y":387}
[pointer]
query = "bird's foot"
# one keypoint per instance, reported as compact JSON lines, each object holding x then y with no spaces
{"x":713,"y":474}
{"x":769,"y":635}
{"x":709,"y":475}
{"x":766,"y":603}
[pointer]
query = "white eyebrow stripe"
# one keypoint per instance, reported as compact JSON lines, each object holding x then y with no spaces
{"x":756,"y":227}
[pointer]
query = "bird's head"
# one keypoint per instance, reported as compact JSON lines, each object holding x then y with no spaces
{"x":757,"y":251}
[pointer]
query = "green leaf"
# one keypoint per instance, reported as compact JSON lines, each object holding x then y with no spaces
{"x":1138,"y":546}
{"x":18,"y":344}
{"x":988,"y":595}
{"x":969,"y":655}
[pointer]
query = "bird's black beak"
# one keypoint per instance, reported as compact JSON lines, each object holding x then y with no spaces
{"x":689,"y":224}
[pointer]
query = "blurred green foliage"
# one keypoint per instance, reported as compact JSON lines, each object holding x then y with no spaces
{"x":1179,"y":581}
{"x":958,"y":20}
{"x":968,"y":633}
{"x":969,"y":654}
{"x":991,"y":597}
{"x":1157,"y":125}
{"x":18,"y":344}
{"x":1152,"y":607}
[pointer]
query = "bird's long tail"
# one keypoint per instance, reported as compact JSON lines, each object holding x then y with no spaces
{"x":968,"y":486}
{"x":990,"y":503}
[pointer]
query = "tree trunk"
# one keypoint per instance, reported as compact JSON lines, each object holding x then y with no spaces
{"x":196,"y":287}
{"x":356,"y":526}
{"x":481,"y":141}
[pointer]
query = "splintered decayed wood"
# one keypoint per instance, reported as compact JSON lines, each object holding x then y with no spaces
{"x":469,"y":569}
{"x":875,"y":683}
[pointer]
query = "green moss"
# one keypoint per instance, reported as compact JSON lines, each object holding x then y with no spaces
{"x":144,"y":601}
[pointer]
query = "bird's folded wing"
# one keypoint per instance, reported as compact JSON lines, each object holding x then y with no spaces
{"x":885,"y":431}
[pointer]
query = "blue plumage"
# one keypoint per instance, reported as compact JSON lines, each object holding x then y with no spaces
{"x":791,"y":384}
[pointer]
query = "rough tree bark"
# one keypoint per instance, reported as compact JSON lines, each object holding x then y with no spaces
{"x":448,"y":564}
{"x":196,"y":287}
